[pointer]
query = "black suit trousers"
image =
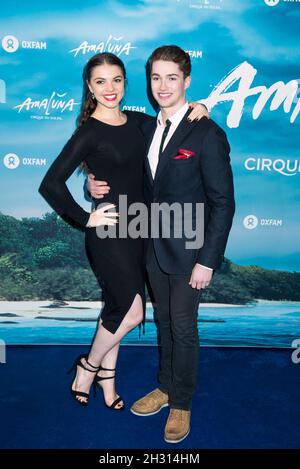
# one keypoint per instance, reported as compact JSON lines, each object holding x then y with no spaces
{"x":176,"y":310}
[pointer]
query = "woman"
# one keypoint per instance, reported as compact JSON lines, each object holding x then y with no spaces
{"x":112,"y":145}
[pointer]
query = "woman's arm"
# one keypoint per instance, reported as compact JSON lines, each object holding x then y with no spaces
{"x":53,"y":187}
{"x":198,"y":110}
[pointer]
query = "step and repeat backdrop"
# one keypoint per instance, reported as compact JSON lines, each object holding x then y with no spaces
{"x":245,"y":64}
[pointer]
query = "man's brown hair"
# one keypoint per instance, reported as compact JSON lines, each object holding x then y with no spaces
{"x":172,"y":54}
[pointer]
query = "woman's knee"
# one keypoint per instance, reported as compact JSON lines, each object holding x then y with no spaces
{"x":139,"y":316}
{"x":134,"y":317}
{"x":135,"y":314}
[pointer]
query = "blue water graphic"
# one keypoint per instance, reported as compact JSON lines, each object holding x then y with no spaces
{"x":269,"y":324}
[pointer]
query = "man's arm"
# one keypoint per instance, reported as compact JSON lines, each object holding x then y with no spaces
{"x":218,"y":184}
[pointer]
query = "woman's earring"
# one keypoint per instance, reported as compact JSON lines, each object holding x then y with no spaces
{"x":93,"y":96}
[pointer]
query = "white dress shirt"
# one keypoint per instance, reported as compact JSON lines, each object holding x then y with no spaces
{"x":160,"y":127}
{"x":153,"y":152}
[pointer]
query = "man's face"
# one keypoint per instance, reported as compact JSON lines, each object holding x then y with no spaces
{"x":168,"y":85}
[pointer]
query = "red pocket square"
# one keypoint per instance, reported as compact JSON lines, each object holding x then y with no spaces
{"x":184,"y":154}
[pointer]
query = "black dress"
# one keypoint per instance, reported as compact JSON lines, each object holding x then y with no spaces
{"x":114,"y":154}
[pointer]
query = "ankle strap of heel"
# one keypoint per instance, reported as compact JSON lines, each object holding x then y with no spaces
{"x":82,"y":365}
{"x":92,"y":366}
{"x":106,"y":369}
{"x":100,"y":378}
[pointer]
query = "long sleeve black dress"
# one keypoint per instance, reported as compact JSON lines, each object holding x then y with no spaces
{"x":114,"y":154}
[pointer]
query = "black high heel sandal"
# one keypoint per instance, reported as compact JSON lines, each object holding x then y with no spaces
{"x":79,"y":363}
{"x":101,"y":378}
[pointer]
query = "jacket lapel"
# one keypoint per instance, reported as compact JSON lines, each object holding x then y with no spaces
{"x":183,"y":129}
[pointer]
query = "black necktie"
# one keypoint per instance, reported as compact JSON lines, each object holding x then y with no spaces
{"x":163,"y":138}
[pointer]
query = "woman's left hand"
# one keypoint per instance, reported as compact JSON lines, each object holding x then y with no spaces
{"x":198,"y":111}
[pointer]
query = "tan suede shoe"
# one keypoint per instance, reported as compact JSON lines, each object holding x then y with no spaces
{"x":178,"y":425}
{"x":150,"y":404}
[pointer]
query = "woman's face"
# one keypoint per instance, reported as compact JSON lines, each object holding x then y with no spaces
{"x":107,"y":84}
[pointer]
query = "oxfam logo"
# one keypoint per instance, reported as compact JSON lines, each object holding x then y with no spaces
{"x":10,"y":43}
{"x":250,"y":222}
{"x":11,"y":161}
{"x":272,"y":3}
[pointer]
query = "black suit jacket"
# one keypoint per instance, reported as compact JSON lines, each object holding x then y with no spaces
{"x":205,"y":178}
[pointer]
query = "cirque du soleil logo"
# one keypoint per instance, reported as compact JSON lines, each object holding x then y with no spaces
{"x":55,"y":102}
{"x":114,"y":45}
{"x":280,"y":94}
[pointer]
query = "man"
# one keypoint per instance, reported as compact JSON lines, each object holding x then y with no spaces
{"x":186,"y":163}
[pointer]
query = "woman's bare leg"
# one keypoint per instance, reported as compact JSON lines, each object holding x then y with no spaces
{"x":105,"y":350}
{"x":109,"y":361}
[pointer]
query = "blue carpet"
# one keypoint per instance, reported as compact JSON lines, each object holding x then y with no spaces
{"x":246,"y":398}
